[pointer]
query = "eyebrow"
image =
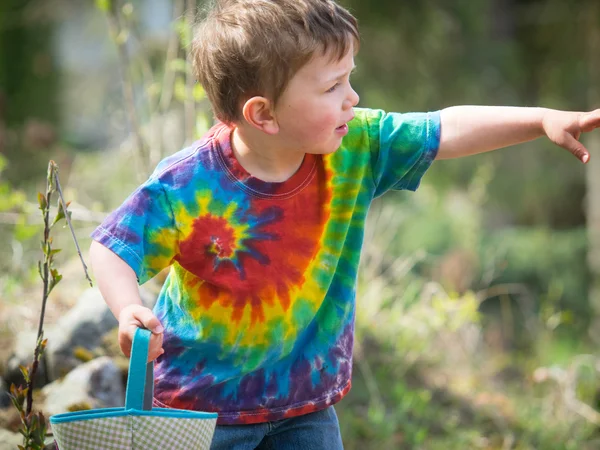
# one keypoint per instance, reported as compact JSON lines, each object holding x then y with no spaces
{"x":341,"y":75}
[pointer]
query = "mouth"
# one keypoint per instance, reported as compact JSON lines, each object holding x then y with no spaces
{"x":344,"y":128}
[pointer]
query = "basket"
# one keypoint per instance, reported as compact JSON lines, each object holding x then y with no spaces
{"x":137,"y":426}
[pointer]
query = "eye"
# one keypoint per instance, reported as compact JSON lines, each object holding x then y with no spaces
{"x":332,"y":88}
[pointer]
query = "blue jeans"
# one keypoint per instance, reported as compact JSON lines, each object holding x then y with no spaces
{"x":315,"y":431}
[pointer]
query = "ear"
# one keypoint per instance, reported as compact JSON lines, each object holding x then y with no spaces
{"x":258,"y":112}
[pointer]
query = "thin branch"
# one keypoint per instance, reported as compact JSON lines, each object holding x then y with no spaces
{"x":127,"y":85}
{"x":501,"y":289}
{"x":168,"y":83}
{"x":166,"y":94}
{"x":190,"y":102}
{"x":68,"y":218}
{"x":45,"y":273}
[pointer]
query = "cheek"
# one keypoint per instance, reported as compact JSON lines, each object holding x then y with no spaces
{"x":320,"y":128}
{"x":310,"y":121}
{"x":324,"y":117}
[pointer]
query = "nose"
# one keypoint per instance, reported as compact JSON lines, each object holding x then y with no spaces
{"x":352,"y":99}
{"x":355,"y":97}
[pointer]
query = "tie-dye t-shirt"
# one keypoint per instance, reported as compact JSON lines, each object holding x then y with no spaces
{"x":258,"y":307}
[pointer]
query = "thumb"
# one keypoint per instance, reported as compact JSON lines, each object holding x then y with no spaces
{"x":576,"y":148}
{"x":590,"y":121}
{"x":148,"y":320}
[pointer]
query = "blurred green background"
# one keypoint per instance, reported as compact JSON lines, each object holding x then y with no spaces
{"x":478,"y":311}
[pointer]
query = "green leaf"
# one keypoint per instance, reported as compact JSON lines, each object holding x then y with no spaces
{"x":42,"y":201}
{"x":54,"y":282}
{"x":43,"y":345}
{"x":33,"y":423}
{"x":25,"y":371}
{"x":103,"y":5}
{"x":61,"y":212}
{"x":51,"y":169}
{"x":15,"y":401}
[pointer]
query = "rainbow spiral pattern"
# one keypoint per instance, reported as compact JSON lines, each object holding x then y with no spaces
{"x":258,"y":307}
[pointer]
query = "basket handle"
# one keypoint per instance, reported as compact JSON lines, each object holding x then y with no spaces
{"x":140,"y":381}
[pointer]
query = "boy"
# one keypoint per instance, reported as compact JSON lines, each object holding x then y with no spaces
{"x":261,"y":221}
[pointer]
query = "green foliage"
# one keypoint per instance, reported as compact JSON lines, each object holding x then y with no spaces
{"x":16,"y":235}
{"x":552,"y":264}
{"x":413,"y":330}
{"x":33,"y":424}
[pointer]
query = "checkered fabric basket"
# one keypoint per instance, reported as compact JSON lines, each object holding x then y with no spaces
{"x":137,"y":426}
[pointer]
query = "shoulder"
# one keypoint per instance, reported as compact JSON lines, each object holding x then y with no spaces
{"x":365,"y":117}
{"x":365,"y":126}
{"x":189,"y":159}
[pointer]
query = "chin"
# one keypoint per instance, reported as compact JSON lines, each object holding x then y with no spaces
{"x":332,"y":150}
{"x":324,"y":151}
{"x":327,"y":149}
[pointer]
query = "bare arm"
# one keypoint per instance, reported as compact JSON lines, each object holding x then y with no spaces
{"x":468,"y":130}
{"x":116,"y":280}
{"x":119,"y":288}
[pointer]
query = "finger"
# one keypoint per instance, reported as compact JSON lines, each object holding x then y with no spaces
{"x":148,"y":320}
{"x":125,"y":339}
{"x":576,"y":148}
{"x":156,"y":347}
{"x":590,"y":121}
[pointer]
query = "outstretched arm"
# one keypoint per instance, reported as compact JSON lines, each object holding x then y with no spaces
{"x":468,"y":130}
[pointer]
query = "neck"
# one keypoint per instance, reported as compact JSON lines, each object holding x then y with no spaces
{"x":263,"y":157}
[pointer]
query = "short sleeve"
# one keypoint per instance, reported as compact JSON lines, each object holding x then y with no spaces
{"x":404,"y":148}
{"x":142,"y":231}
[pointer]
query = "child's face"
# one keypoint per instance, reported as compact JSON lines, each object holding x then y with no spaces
{"x":313,"y":111}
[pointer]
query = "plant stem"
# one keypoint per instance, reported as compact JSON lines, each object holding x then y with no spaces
{"x":127,"y":86}
{"x":68,"y":219}
{"x":45,"y":270}
{"x":190,"y":102}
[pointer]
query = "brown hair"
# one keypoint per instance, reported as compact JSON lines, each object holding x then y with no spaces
{"x":254,"y":47}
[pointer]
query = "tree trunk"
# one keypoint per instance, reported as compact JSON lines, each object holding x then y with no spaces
{"x":592,"y":142}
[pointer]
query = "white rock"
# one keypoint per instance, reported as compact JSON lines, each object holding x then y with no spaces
{"x":9,"y":440}
{"x":97,"y":383}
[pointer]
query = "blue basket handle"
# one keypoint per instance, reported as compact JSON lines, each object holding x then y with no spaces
{"x":140,"y":381}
